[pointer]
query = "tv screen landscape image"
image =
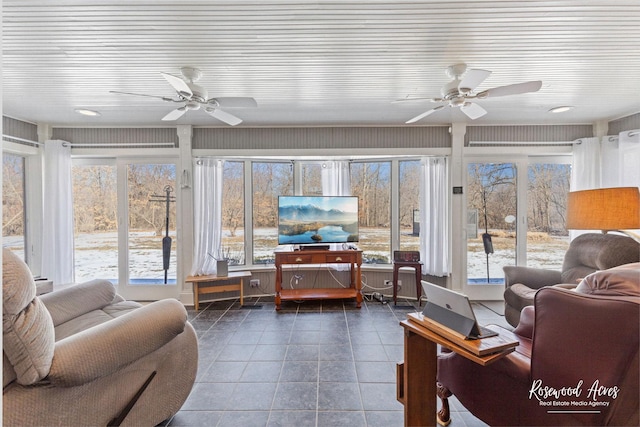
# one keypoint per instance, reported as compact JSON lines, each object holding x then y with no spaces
{"x":317,"y":219}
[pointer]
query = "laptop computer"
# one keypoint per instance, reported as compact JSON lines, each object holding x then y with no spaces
{"x":453,"y":310}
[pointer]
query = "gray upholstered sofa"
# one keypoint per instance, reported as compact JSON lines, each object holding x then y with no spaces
{"x":587,"y":253}
{"x":81,"y":356}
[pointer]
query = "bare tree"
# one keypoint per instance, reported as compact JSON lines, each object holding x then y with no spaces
{"x":270,"y":180}
{"x":144,"y":182}
{"x":492,"y":191}
{"x":12,"y":195}
{"x":409,"y":191}
{"x":233,"y":196}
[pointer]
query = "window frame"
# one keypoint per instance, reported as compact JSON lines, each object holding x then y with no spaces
{"x":32,"y":155}
{"x":297,"y":164}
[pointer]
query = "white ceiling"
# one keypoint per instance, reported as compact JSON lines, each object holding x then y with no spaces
{"x":318,"y":63}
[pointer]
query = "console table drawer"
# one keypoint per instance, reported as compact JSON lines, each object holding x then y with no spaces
{"x":298,"y":259}
{"x":339,"y":258}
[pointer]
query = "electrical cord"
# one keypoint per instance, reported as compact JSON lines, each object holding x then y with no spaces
{"x":377,"y":289}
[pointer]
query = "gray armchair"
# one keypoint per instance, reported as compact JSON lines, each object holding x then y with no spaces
{"x":587,"y":253}
{"x":85,"y":356}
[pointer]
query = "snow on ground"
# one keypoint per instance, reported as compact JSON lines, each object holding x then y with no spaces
{"x":96,"y":254}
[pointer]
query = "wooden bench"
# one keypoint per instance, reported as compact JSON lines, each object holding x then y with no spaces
{"x":215,"y":284}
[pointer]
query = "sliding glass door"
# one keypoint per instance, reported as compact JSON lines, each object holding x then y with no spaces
{"x":151,"y":220}
{"x":125,"y":225}
{"x":515,"y":216}
{"x":491,"y":231}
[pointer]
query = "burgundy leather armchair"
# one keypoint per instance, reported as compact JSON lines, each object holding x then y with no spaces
{"x":586,"y":254}
{"x":576,"y":364}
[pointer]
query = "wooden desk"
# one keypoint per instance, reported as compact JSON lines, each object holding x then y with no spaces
{"x":352,"y":257}
{"x":416,"y":375}
{"x":207,"y":285}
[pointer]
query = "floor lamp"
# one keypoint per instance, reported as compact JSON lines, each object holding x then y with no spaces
{"x":606,"y":209}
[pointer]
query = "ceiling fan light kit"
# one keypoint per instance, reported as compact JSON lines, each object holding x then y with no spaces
{"x":194,"y":96}
{"x":460,"y":90}
{"x":561,"y":109}
{"x":86,"y":112}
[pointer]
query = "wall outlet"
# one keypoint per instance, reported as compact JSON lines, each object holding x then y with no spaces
{"x":390,"y":283}
{"x":254,"y":283}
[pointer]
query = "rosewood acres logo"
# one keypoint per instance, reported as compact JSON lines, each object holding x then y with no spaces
{"x":572,"y":399}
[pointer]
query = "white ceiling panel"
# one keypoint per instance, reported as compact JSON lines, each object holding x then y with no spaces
{"x":318,"y":63}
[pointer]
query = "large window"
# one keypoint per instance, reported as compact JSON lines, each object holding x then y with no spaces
{"x":371,"y":182}
{"x":95,"y":222}
{"x":491,"y":194}
{"x":233,"y":212}
{"x":13,"y":203}
{"x":269,"y":180}
{"x":312,"y":179}
{"x":409,"y":196}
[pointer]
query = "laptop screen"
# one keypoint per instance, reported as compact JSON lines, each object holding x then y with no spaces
{"x":452,"y":309}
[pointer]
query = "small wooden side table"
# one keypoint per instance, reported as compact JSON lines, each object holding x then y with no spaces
{"x":209,"y":285}
{"x":416,"y":375}
{"x":417,"y":266}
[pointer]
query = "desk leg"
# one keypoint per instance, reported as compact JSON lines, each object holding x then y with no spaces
{"x":420,"y":366}
{"x":419,"y":284}
{"x":241,"y":292}
{"x":395,"y":284}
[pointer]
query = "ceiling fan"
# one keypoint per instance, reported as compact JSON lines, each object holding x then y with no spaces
{"x":459,"y":91}
{"x":194,"y":97}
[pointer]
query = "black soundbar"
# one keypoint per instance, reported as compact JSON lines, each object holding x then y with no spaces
{"x":314,"y":247}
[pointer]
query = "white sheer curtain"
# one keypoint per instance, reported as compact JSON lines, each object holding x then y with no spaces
{"x":336,"y":181}
{"x":434,"y":216}
{"x":585,"y":168}
{"x":629,"y":155}
{"x":57,"y":232}
{"x":610,"y":163}
{"x":207,"y":215}
{"x":336,"y":178}
{"x":610,"y":160}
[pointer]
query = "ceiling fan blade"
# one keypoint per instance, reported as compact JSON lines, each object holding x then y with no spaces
{"x":413,"y":99}
{"x":179,"y":85}
{"x":223,"y":116}
{"x":425,"y":114}
{"x":473,"y":111}
{"x":234,"y":102}
{"x":164,"y":98}
{"x":175,"y":114}
{"x":514,"y":89}
{"x":472,"y":78}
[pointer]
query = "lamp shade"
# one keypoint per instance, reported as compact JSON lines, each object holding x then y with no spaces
{"x":604,"y":209}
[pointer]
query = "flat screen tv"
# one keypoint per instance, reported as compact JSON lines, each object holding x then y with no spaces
{"x":304,"y":220}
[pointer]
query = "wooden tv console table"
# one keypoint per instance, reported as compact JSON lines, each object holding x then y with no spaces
{"x":352,"y":257}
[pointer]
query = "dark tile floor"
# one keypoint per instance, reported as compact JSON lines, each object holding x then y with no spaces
{"x":323,"y":363}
